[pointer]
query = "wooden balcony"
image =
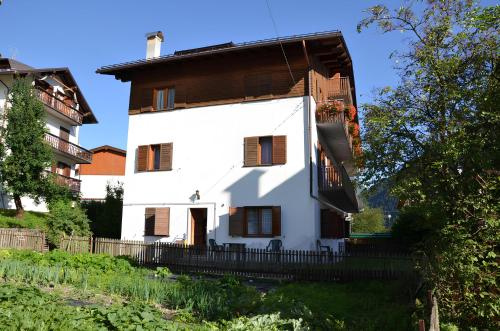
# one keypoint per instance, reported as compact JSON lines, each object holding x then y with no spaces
{"x":59,"y":107}
{"x":68,"y":149}
{"x":333,"y":128}
{"x":335,"y":185}
{"x":72,"y":183}
{"x":337,"y":89}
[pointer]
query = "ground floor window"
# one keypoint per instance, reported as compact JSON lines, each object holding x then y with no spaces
{"x":255,"y":221}
{"x":259,"y":221}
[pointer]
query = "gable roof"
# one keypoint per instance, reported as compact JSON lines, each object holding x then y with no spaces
{"x":10,"y":66}
{"x":328,"y":48}
{"x":109,"y":148}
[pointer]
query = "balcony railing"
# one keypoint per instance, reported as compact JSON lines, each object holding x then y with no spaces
{"x":338,"y":88}
{"x":72,"y":183}
{"x":69,"y":148}
{"x":336,"y":179}
{"x":59,"y":105}
{"x":331,"y":115}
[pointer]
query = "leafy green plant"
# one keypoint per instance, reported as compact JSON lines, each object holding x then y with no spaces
{"x":23,"y":136}
{"x":369,"y":220}
{"x":66,"y":218}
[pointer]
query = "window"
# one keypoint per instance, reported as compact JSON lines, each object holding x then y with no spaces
{"x":266,"y":150}
{"x":259,"y":221}
{"x":155,"y":154}
{"x":157,"y":221}
{"x":156,"y":157}
{"x":255,"y":221}
{"x":332,"y":225}
{"x":164,"y":99}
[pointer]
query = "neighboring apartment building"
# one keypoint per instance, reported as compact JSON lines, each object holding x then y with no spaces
{"x":107,"y":168}
{"x":225,"y":142}
{"x":66,"y":111}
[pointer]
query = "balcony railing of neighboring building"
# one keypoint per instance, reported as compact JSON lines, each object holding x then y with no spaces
{"x":72,"y":183}
{"x":69,"y":148}
{"x":336,"y":179}
{"x":59,"y":105}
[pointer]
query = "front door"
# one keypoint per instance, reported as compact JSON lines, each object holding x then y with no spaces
{"x":198,"y":227}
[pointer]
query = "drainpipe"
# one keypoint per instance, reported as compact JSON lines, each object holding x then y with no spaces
{"x":309,"y":140}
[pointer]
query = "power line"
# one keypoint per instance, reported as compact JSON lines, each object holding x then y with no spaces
{"x":279,"y":40}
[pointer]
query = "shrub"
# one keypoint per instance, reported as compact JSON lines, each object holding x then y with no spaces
{"x":106,"y":216}
{"x":67,"y":218}
{"x":370,"y":220}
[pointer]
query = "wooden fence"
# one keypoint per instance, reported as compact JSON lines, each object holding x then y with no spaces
{"x":285,"y":264}
{"x":250,"y":262}
{"x":31,"y":239}
{"x":433,"y":316}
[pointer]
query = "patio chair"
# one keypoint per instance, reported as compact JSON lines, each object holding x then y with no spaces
{"x":213,"y":245}
{"x":275,"y":245}
{"x":322,"y":248}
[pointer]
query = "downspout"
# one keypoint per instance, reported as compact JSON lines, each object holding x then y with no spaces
{"x":309,"y":138}
{"x":1,"y":125}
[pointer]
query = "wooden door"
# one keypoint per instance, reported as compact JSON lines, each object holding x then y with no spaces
{"x":198,"y":227}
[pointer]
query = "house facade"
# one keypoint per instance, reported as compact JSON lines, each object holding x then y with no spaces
{"x":235,"y":143}
{"x":107,"y":168}
{"x":66,"y":111}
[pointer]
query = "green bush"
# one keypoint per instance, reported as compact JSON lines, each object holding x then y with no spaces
{"x":106,"y":216}
{"x":66,"y":218}
{"x":370,"y":220}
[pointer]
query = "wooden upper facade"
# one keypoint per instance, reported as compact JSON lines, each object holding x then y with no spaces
{"x":233,"y":73}
{"x":107,"y":160}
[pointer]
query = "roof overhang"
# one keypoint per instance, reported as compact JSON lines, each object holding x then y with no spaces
{"x":328,"y":48}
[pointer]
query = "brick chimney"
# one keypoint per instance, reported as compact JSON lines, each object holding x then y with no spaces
{"x":153,"y":44}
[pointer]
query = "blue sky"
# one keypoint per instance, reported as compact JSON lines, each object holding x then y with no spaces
{"x":84,"y":35}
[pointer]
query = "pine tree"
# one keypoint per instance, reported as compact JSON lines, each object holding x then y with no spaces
{"x":25,"y":153}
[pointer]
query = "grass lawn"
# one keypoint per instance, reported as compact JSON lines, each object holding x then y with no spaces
{"x":57,"y":291}
{"x":31,"y":220}
{"x":373,"y":305}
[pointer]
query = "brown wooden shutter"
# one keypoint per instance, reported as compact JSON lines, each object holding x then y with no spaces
{"x":162,"y":222}
{"x":166,"y":156}
{"x":149,"y":222}
{"x":251,"y":151}
{"x":277,"y":221}
{"x":146,"y":100}
{"x":279,"y":149}
{"x":142,"y":158}
{"x":236,"y":221}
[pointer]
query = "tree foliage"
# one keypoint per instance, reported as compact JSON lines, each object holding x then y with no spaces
{"x":24,"y":153}
{"x":370,"y":220}
{"x":106,"y":216}
{"x":66,"y":217}
{"x":435,"y":136}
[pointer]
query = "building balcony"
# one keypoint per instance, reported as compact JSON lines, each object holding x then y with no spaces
{"x":68,"y":149}
{"x":333,"y":130}
{"x":72,"y":183}
{"x":337,"y":89}
{"x":59,"y":108}
{"x":337,"y":188}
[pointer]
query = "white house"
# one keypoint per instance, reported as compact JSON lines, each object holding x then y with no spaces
{"x":66,"y":110}
{"x":233,"y":142}
{"x":107,"y":168}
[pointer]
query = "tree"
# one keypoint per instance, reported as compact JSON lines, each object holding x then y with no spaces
{"x":369,"y":220}
{"x":106,"y":216}
{"x":436,"y":137}
{"x":25,"y":154}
